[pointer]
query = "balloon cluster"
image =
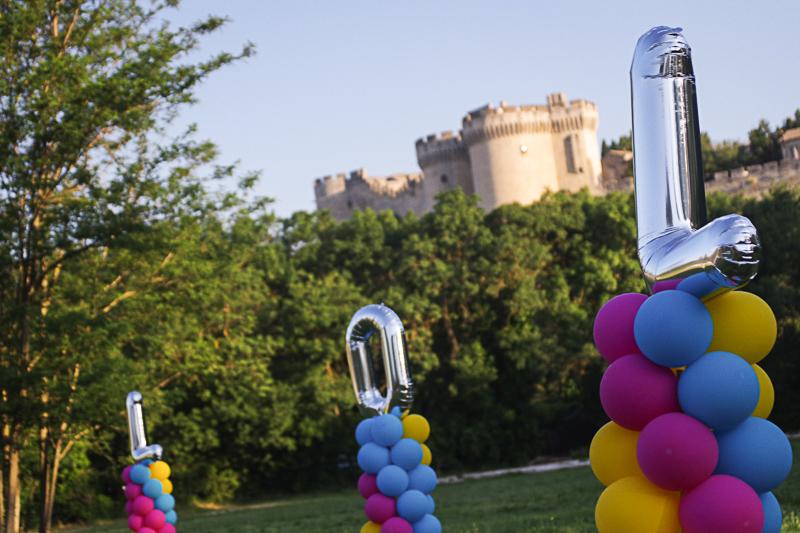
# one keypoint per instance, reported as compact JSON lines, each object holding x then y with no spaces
{"x":689,"y":447}
{"x":397,"y":481}
{"x":150,"y":505}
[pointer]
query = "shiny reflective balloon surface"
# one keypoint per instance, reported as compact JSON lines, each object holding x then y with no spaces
{"x":676,"y":244}
{"x":379,"y":320}
{"x":139,"y":448}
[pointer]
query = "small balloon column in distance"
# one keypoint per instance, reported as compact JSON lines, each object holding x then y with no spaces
{"x":397,"y":479}
{"x":150,"y":505}
{"x":689,"y":447}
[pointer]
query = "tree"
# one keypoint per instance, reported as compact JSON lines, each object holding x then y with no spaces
{"x":88,"y":88}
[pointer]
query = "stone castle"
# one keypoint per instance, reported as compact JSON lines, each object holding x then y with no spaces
{"x":502,"y":153}
{"x":508,"y":154}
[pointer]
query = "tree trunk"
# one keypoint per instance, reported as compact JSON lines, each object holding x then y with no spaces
{"x":44,"y":480}
{"x":50,"y":497}
{"x":14,"y":490}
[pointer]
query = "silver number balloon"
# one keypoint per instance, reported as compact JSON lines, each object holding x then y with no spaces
{"x":676,"y":244}
{"x":139,"y":448}
{"x":368,"y":321}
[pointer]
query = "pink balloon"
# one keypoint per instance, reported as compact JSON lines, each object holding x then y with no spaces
{"x":132,"y":490}
{"x":634,"y":391}
{"x":128,"y":509}
{"x":677,"y":452}
{"x":135,"y":522}
{"x":367,"y":485}
{"x":613,"y":326}
{"x":155,"y":519}
{"x":168,"y":528}
{"x":142,"y":505}
{"x":721,"y":503}
{"x":146,"y":530}
{"x":396,"y":525}
{"x":126,"y":474}
{"x":379,"y":508}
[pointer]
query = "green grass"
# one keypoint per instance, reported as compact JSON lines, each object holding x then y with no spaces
{"x":561,"y":501}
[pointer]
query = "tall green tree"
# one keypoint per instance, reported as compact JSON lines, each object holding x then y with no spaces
{"x":87,"y":88}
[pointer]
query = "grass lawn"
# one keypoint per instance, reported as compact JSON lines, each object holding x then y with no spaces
{"x":561,"y":501}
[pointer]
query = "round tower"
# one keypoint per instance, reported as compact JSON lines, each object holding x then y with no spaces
{"x":511,"y":153}
{"x":445,"y":165}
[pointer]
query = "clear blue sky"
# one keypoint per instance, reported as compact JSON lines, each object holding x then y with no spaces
{"x":338,"y":85}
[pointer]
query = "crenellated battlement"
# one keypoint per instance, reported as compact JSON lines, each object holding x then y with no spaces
{"x":438,"y":147}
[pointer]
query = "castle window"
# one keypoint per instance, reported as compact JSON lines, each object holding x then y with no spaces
{"x":444,"y":178}
{"x":569,"y":154}
{"x":523,"y":149}
{"x":350,"y":204}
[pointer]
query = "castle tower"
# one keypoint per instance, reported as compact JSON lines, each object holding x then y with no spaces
{"x":445,"y":165}
{"x":511,"y":153}
{"x":577,"y":154}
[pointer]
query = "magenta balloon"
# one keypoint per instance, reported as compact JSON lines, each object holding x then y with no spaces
{"x":379,"y":508}
{"x":613,"y":326}
{"x":396,"y":525}
{"x":142,"y":505}
{"x":677,"y":452}
{"x":367,"y":485}
{"x":135,"y":522}
{"x":132,"y":490}
{"x":634,"y":391}
{"x":126,"y":474}
{"x":721,"y":503}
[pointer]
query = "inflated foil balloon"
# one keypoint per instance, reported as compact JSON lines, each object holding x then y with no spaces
{"x":368,"y":321}
{"x":139,"y":448}
{"x":676,"y":245}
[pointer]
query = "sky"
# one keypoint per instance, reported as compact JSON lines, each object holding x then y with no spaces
{"x":338,"y":85}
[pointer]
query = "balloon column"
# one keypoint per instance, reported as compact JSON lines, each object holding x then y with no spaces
{"x":688,"y":447}
{"x":150,"y":505}
{"x":397,"y":480}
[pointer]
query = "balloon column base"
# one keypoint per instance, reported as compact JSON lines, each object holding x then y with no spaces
{"x":397,"y":480}
{"x":689,"y":447}
{"x":150,"y":505}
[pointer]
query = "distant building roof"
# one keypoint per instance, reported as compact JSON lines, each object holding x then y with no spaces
{"x":791,"y":135}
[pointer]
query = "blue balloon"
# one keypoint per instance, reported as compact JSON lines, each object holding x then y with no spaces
{"x":720,"y":389}
{"x":152,"y":488}
{"x":673,"y":328}
{"x":396,"y":411}
{"x":407,"y":453}
{"x":757,"y":452}
{"x":146,"y":462}
{"x":431,"y":505}
{"x":139,"y":474}
{"x":172,"y":517}
{"x":773,"y":517}
{"x":428,"y":524}
{"x":165,"y":503}
{"x":363,"y":434}
{"x":386,"y":430}
{"x":372,"y":457}
{"x":423,"y":479}
{"x":392,"y":481}
{"x":412,"y":505}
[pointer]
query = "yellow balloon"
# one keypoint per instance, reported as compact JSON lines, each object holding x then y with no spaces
{"x":613,"y":454}
{"x":743,"y":324}
{"x":159,"y":470}
{"x":416,"y":427}
{"x":634,"y":505}
{"x":371,"y":527}
{"x":426,"y":455}
{"x":766,"y":398}
{"x":166,"y":486}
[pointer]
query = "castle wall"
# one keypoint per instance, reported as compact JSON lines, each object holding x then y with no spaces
{"x":445,"y":165}
{"x":401,"y":193}
{"x":511,"y":154}
{"x":755,"y":180}
{"x":575,"y":147}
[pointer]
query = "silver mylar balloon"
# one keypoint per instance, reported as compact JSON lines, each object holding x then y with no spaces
{"x":675,"y":243}
{"x":370,"y":320}
{"x":139,"y":448}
